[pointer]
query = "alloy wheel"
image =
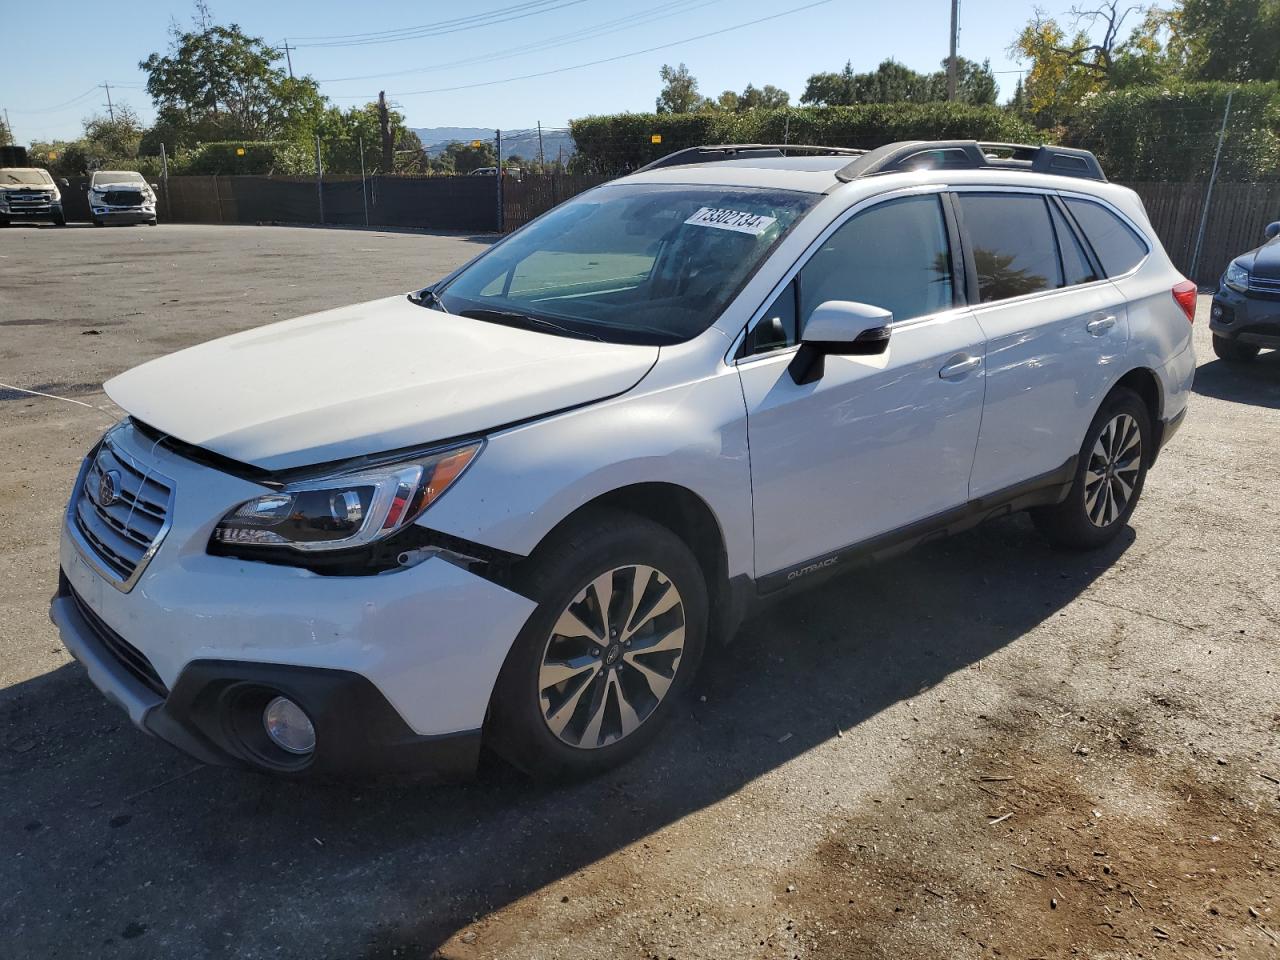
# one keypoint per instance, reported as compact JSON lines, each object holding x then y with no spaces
{"x":1112,"y":474}
{"x":612,"y":656}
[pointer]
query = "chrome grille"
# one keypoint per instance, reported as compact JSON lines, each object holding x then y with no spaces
{"x":121,"y":512}
{"x":34,"y":201}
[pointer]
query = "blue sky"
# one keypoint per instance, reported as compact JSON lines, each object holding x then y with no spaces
{"x":48,"y":90}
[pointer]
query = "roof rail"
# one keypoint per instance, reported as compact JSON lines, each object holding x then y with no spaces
{"x":739,"y":151}
{"x":973,"y":155}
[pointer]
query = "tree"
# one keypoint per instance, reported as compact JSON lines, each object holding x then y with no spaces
{"x":1232,"y":39}
{"x":767,"y":97}
{"x":831,"y":89}
{"x":113,"y":137}
{"x":6,"y":135}
{"x":893,"y":82}
{"x":679,"y":92}
{"x":464,"y":157}
{"x":217,"y":83}
{"x":1096,"y":55}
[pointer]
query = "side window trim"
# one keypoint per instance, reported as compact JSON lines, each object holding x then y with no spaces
{"x":736,"y":354}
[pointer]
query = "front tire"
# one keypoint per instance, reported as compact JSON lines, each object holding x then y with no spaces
{"x":613,"y":645}
{"x":1233,"y":351}
{"x":98,"y":223}
{"x":1110,"y":473}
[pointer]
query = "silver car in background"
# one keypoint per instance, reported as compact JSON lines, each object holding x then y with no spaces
{"x":121,"y":196}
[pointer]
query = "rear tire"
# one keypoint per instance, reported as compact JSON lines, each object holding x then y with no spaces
{"x":1233,"y":351}
{"x":1110,"y":472}
{"x":624,"y":661}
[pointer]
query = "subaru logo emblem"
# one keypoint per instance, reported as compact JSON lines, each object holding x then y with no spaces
{"x":108,"y":487}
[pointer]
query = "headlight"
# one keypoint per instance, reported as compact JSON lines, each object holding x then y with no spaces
{"x":346,"y":510}
{"x":1237,"y":278}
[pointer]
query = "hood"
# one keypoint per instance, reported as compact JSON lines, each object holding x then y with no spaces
{"x":1265,"y":261}
{"x":123,"y":185}
{"x":366,"y":379}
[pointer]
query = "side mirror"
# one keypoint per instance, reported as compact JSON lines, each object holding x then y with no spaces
{"x":843,"y":328}
{"x":64,"y":182}
{"x":155,"y":186}
{"x":1272,"y":230}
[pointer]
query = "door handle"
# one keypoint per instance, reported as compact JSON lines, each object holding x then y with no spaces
{"x":959,"y":365}
{"x":1100,"y":325}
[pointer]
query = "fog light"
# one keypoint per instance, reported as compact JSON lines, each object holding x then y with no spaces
{"x":288,"y":726}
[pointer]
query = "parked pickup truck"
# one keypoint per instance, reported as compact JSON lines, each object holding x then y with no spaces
{"x":29,"y":193}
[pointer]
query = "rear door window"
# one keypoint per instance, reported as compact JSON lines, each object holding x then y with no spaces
{"x":1015,"y":251}
{"x":1118,"y":247}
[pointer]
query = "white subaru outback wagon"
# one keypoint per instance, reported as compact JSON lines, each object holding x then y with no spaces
{"x":515,"y":506}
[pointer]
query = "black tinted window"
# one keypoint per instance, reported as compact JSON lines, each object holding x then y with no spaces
{"x":1115,"y":243}
{"x":1014,"y":249}
{"x":777,"y":328}
{"x":894,"y":256}
{"x":1076,"y":267}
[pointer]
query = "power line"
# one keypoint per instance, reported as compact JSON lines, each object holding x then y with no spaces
{"x":441,"y":28}
{"x":660,"y":12}
{"x":603,"y":60}
{"x":66,"y":103}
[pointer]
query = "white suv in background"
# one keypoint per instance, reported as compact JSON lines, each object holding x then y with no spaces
{"x":515,"y":506}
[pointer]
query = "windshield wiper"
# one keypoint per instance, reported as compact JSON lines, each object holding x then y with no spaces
{"x":427,"y":297}
{"x":513,"y":318}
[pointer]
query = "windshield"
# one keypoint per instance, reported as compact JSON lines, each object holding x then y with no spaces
{"x":25,"y":176}
{"x":116,"y":176}
{"x":629,"y":263}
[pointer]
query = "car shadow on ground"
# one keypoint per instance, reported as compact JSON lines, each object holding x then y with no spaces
{"x":134,"y":841}
{"x":1256,"y":382}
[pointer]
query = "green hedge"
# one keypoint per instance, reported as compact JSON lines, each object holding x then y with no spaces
{"x":619,"y":142}
{"x":260,"y":157}
{"x":1171,"y":133}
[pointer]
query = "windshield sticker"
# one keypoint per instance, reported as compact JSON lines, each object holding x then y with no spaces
{"x":738,"y":221}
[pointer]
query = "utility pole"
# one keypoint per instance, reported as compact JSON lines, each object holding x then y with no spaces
{"x":364,"y":193}
{"x":319,"y":179}
{"x":288,"y":59}
{"x":497,"y":136}
{"x":384,"y":125}
{"x":542,"y":160}
{"x":1208,"y":197}
{"x":111,"y":111}
{"x":952,"y":67}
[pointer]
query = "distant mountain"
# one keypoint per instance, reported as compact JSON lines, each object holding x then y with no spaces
{"x":522,"y":142}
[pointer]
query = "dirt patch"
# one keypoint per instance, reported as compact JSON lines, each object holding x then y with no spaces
{"x":1036,"y":854}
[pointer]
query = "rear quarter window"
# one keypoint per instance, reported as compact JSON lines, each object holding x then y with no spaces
{"x":1118,"y":247}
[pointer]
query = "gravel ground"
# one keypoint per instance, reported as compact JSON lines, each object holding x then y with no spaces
{"x":982,"y":749}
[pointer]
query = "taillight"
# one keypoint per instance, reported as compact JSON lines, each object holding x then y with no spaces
{"x":1185,"y":294}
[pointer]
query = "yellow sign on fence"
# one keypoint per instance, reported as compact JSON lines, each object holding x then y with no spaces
{"x":239,"y":151}
{"x":655,"y":138}
{"x":477,"y":143}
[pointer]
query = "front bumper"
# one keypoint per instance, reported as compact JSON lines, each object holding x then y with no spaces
{"x":213,"y":711}
{"x":123,"y":214}
{"x":1248,"y":318}
{"x":52,"y":211}
{"x":395,"y":670}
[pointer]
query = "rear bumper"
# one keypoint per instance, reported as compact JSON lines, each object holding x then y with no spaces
{"x":1246,"y":318}
{"x":214,"y":708}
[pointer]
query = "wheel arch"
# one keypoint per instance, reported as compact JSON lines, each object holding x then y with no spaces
{"x":689,"y":517}
{"x":1144,"y":382}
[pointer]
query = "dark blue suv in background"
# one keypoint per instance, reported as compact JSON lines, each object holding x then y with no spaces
{"x":1246,"y":308}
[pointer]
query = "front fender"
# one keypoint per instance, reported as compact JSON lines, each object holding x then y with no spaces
{"x":531,"y":477}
